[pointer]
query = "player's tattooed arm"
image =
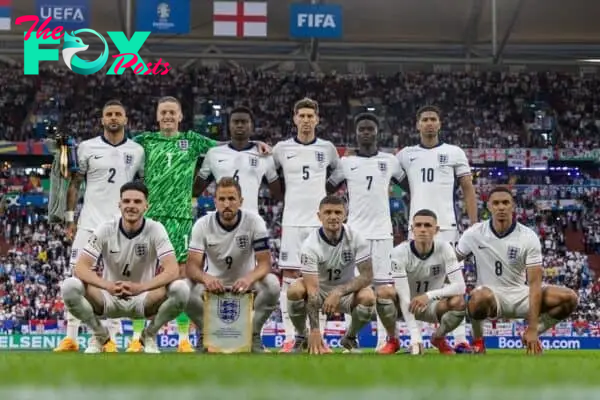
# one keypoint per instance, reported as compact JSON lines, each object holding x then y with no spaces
{"x":311,"y":282}
{"x":73,"y":191}
{"x":364,"y":279}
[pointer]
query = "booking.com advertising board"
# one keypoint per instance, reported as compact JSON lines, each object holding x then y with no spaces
{"x":366,"y":339}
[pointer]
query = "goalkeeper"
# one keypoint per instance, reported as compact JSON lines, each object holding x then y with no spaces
{"x":170,"y":166}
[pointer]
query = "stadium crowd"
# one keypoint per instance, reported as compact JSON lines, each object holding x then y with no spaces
{"x":480,"y":110}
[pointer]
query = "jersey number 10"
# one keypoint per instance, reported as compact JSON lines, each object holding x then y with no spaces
{"x":427,"y":174}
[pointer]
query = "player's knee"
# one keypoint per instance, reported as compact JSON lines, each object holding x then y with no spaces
{"x":479,"y":303}
{"x":270,"y":285}
{"x":366,"y":297}
{"x":364,"y":312}
{"x":296,"y":291}
{"x":180,"y":291}
{"x":457,"y":303}
{"x":72,"y":289}
{"x":387,"y":292}
{"x":296,"y":307}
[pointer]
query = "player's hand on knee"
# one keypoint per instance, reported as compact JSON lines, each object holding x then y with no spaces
{"x":242,"y":285}
{"x":114,"y":289}
{"x":332,"y":302}
{"x":315,"y":342}
{"x":214,"y":285}
{"x":532,"y":343}
{"x":419,"y":304}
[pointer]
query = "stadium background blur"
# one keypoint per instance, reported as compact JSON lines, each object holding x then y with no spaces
{"x":513,"y":89}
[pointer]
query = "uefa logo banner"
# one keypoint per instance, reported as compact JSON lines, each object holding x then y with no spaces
{"x":228,"y":322}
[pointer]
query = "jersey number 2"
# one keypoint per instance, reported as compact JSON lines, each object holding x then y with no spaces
{"x":111,"y":174}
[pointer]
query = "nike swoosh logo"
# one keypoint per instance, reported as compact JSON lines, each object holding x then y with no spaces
{"x":482,"y":247}
{"x":288,"y":157}
{"x":97,"y":157}
{"x":113,"y":252}
{"x":413,"y":159}
{"x":221,"y":160}
{"x":352,"y":169}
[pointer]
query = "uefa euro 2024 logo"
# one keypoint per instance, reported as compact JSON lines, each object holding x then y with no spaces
{"x":128,"y":56}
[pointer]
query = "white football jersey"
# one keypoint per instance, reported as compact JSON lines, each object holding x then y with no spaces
{"x":335,"y":263}
{"x":106,"y":167}
{"x":129,"y":256}
{"x":305,"y":168}
{"x":501,"y":260}
{"x":230,"y":251}
{"x":247,"y":166}
{"x":433,"y":174}
{"x":424,"y":273}
{"x":368,"y":182}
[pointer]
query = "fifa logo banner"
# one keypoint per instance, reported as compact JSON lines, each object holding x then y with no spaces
{"x":228,"y":322}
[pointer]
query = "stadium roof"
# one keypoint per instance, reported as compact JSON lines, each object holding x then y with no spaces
{"x":436,"y":29}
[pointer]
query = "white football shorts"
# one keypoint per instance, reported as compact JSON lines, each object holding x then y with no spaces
{"x":380,"y":257}
{"x":116,"y":307}
{"x":291,"y":242}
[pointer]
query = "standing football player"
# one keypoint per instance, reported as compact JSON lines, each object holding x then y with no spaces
{"x":420,"y":268}
{"x":129,"y":287}
{"x":106,"y":162}
{"x":171,"y":159}
{"x":368,"y":174}
{"x":433,"y":169}
{"x":233,"y":244}
{"x":241,"y":160}
{"x":305,"y":161}
{"x":330,"y":255}
{"x":508,"y":256}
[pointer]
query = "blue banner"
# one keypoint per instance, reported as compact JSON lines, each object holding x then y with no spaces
{"x":316,"y":21}
{"x":163,"y":16}
{"x":70,"y":14}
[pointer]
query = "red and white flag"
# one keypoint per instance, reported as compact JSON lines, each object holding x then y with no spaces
{"x":240,"y":18}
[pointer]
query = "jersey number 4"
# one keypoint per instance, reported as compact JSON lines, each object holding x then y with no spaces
{"x":126,"y":271}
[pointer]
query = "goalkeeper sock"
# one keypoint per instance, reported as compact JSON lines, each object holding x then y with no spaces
{"x":183,"y":327}
{"x":138,"y":327}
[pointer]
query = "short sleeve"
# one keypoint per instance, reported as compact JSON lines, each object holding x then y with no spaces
{"x":400,"y":157}
{"x":97,"y":241}
{"x":398,"y":173}
{"x":83,"y":158}
{"x":140,"y":171}
{"x":309,"y":259}
{"x":334,"y":157}
{"x":206,"y":169}
{"x":270,"y":169}
{"x":162,"y":243}
{"x":533,"y":256}
{"x":398,"y":262}
{"x":464,"y":247}
{"x":461,"y":166}
{"x":277,"y":156}
{"x":337,"y":176}
{"x":199,"y":231}
{"x":450,"y":260}
{"x":260,"y":239}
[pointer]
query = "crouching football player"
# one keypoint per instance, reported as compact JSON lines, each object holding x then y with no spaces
{"x":234,"y":243}
{"x":420,"y":267}
{"x":129,"y":287}
{"x":329,"y":256}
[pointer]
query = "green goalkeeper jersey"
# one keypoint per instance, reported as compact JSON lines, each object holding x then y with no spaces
{"x":169,"y":171}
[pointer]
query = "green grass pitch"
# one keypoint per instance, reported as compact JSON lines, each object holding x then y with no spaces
{"x":498,"y":375}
